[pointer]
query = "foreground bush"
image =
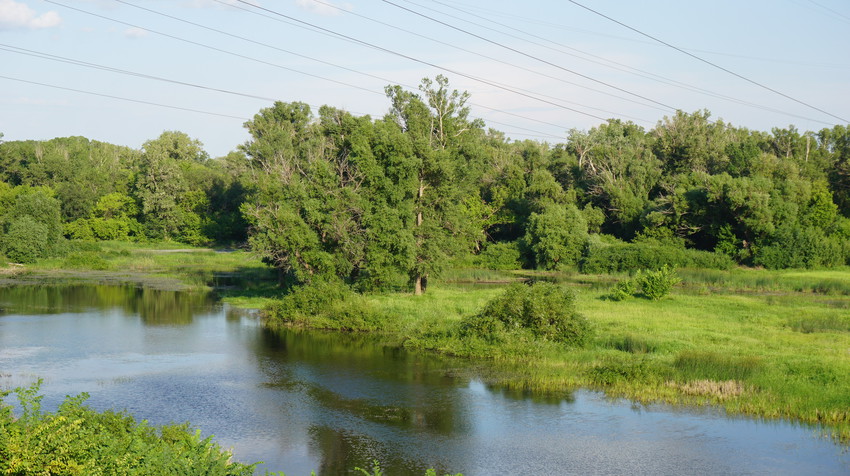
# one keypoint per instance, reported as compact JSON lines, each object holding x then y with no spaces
{"x":76,"y":440}
{"x":545,"y":309}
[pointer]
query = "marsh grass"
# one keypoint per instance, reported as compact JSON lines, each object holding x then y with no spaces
{"x":706,"y":365}
{"x":711,"y":388}
{"x":827,"y":323}
{"x":828,"y":282}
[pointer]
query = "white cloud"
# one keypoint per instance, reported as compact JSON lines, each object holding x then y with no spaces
{"x":20,"y":15}
{"x":135,"y":32}
{"x":322,"y":7}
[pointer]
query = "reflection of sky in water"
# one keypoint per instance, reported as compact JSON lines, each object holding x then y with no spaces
{"x":327,"y":402}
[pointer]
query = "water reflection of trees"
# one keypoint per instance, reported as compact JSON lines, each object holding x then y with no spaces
{"x":353,"y":375}
{"x":409,"y":395}
{"x":153,"y":306}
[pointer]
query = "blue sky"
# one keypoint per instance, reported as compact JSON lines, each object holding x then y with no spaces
{"x":534,"y":69}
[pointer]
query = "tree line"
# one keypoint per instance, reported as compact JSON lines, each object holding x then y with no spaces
{"x":390,"y":202}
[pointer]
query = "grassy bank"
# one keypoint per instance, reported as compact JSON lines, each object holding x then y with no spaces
{"x":771,"y":344}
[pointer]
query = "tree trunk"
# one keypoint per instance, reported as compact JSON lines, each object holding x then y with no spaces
{"x":420,"y":285}
{"x":420,"y":281}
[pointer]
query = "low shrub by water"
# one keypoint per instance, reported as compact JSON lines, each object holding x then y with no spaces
{"x":85,"y":260}
{"x":324,"y":305}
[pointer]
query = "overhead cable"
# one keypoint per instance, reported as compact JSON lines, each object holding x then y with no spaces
{"x":760,"y":85}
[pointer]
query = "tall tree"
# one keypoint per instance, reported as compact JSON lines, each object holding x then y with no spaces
{"x":161,"y":186}
{"x":437,"y":128}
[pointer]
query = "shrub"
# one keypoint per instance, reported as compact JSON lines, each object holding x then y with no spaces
{"x":628,"y":257}
{"x":556,"y":236}
{"x":657,"y":284}
{"x":623,"y":290}
{"x":323,"y":305}
{"x":649,"y":284}
{"x":78,"y":440}
{"x":499,"y":256}
{"x":797,"y":247}
{"x":611,"y":371}
{"x":85,"y":260}
{"x":27,"y":240}
{"x":547,"y":310}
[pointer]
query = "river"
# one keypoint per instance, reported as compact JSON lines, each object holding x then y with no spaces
{"x":303,"y":402}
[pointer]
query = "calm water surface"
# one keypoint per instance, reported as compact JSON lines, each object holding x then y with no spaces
{"x":329,"y":402}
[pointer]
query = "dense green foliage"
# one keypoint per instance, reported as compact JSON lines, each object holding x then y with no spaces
{"x":76,"y":440}
{"x":89,"y":190}
{"x":389,"y":203}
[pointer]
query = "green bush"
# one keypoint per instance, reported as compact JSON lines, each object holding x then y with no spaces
{"x":556,"y":236}
{"x":649,"y":284}
{"x":78,"y":440}
{"x":323,"y":305}
{"x":657,"y":284}
{"x":85,"y":260}
{"x":545,"y":309}
{"x":623,"y":290}
{"x":27,"y":240}
{"x":499,"y":256}
{"x":797,"y":247}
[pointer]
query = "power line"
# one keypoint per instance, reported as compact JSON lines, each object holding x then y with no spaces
{"x":623,"y":67}
{"x":513,"y":16}
{"x":501,"y":45}
{"x":220,"y":50}
{"x":266,"y":62}
{"x":63,"y":59}
{"x":513,"y":65}
{"x":138,"y":101}
{"x":707,"y":62}
{"x":411,"y":58}
{"x":385,"y":80}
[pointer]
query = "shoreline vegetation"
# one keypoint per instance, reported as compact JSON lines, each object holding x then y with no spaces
{"x":768,"y":344}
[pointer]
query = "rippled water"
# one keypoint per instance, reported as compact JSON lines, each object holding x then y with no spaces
{"x":331,"y":402}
